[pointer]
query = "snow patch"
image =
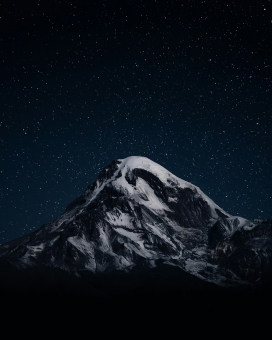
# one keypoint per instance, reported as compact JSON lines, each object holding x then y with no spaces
{"x":133,"y":236}
{"x":84,"y":246}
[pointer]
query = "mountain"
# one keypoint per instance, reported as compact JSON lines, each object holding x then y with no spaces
{"x":138,"y":229}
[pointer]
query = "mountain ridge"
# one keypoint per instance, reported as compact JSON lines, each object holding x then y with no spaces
{"x":139,"y":215}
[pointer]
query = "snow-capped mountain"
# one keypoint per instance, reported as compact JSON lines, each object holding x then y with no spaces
{"x":139,"y":214}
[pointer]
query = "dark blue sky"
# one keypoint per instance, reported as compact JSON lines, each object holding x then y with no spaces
{"x":184,"y":83}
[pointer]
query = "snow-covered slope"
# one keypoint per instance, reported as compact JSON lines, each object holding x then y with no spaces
{"x":122,"y":176}
{"x":135,"y":213}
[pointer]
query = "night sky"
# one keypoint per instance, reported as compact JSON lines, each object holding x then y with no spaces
{"x":184,"y":83}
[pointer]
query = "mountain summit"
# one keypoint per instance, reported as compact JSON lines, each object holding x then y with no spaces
{"x":139,"y":215}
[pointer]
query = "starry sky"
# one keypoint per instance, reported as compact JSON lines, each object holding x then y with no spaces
{"x":184,"y":83}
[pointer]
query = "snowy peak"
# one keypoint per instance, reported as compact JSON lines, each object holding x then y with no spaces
{"x":144,"y":186}
{"x":138,"y":213}
{"x":133,"y":173}
{"x":136,"y":162}
{"x":121,"y":167}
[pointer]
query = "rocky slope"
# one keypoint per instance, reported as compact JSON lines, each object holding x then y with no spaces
{"x":139,"y":215}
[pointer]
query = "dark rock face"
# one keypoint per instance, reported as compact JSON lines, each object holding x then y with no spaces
{"x":137,"y":215}
{"x":246,"y":250}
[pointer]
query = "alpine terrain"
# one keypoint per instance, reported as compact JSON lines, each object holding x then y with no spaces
{"x":138,"y":229}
